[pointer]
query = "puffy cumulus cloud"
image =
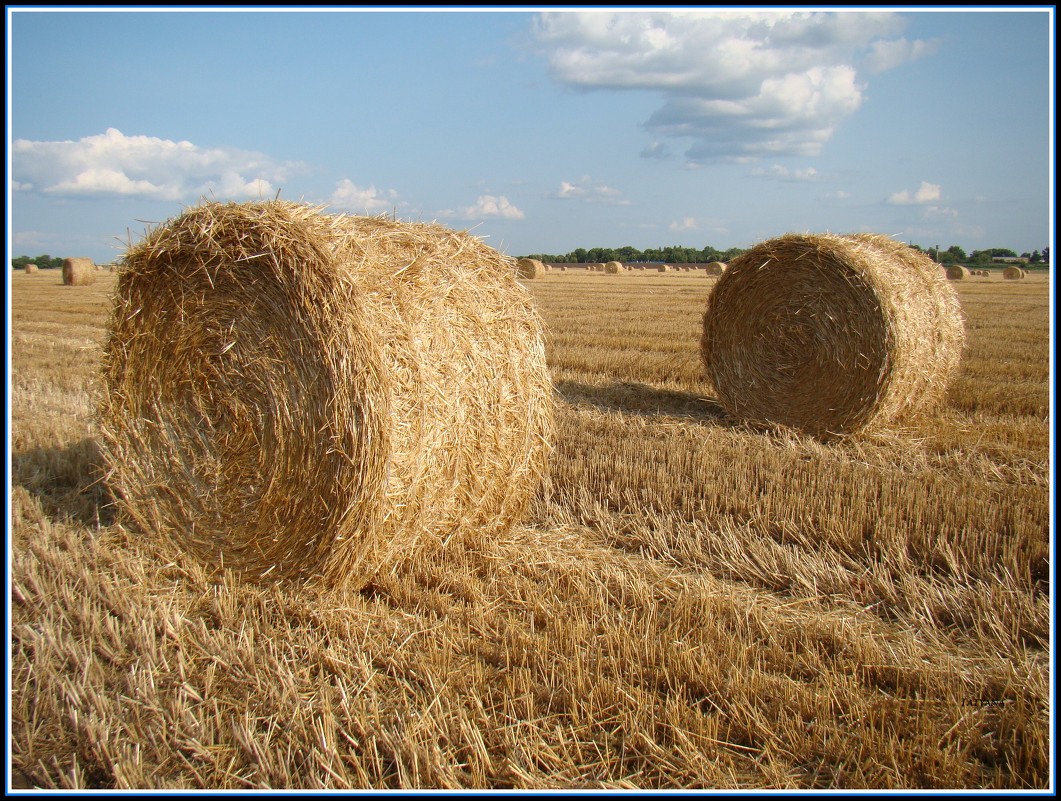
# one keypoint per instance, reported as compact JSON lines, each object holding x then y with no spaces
{"x":657,"y":150}
{"x":739,"y":84}
{"x":348,"y":195}
{"x":785,"y":174}
{"x":144,"y":166}
{"x":486,"y":206}
{"x":926,"y":193}
{"x":589,"y":191}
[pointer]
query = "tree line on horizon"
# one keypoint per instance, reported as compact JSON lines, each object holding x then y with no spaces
{"x":687,"y":255}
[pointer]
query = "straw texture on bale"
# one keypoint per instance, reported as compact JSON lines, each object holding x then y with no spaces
{"x":613,"y":268}
{"x":530,"y":268}
{"x":715,"y":268}
{"x":78,"y":271}
{"x":1013,"y":273}
{"x":831,"y":334}
{"x":956,"y":272}
{"x":298,"y":395}
{"x":31,"y":268}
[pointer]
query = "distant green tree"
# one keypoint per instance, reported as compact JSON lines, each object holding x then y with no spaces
{"x":955,"y":255}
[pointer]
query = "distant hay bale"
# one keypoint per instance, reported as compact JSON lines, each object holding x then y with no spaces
{"x":297,"y":395}
{"x":613,"y":268}
{"x":563,"y":268}
{"x":530,"y":268}
{"x":664,"y":268}
{"x":31,"y":268}
{"x":831,"y":334}
{"x":78,"y":271}
{"x":956,"y":272}
{"x":1013,"y":273}
{"x":715,"y":268}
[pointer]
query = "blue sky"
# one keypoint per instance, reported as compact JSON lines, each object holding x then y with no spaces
{"x":541,"y":131}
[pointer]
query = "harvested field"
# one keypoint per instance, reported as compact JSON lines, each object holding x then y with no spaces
{"x":689,"y":604}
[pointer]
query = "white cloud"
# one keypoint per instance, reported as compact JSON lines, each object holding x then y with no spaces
{"x":785,"y":174}
{"x":939,"y":213}
{"x":486,"y":206}
{"x":886,"y":55}
{"x":589,"y":191}
{"x":348,"y":195}
{"x":657,"y":150}
{"x":144,"y":166}
{"x":739,"y":84}
{"x":684,"y":224}
{"x":926,"y":193}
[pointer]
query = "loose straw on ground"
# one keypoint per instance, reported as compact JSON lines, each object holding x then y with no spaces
{"x":299,"y":395}
{"x":831,"y":334}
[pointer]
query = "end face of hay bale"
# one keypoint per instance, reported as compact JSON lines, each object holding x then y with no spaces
{"x":295,"y":395}
{"x":529,"y":268}
{"x":831,"y":334}
{"x":1013,"y":273}
{"x":957,"y":272}
{"x":715,"y":268}
{"x":613,"y":268}
{"x":78,"y":271}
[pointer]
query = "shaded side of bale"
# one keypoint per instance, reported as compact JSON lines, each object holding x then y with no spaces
{"x":31,"y":268}
{"x":613,"y":268}
{"x":831,"y":334}
{"x":715,"y":268}
{"x":1013,"y":273}
{"x":297,"y":395}
{"x":956,"y":272}
{"x":78,"y":271}
{"x":529,"y":268}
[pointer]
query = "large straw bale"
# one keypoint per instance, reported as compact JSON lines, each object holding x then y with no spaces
{"x":79,"y":271}
{"x":31,"y":268}
{"x":293,"y":394}
{"x":957,"y":272}
{"x":831,"y":334}
{"x":613,"y":268}
{"x":530,"y":268}
{"x":1013,"y":273}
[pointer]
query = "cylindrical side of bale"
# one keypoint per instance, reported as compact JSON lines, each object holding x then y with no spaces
{"x":1013,"y":273}
{"x":613,"y":268}
{"x":297,"y":395}
{"x":715,"y":268}
{"x":831,"y":334}
{"x":529,"y":268}
{"x":31,"y":268}
{"x":956,"y":272}
{"x":78,"y":271}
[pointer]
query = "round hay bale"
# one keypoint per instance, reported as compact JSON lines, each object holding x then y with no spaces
{"x":1013,"y":273}
{"x":715,"y":268}
{"x":530,"y":268}
{"x":31,"y":268}
{"x":613,"y":268}
{"x":297,"y":395}
{"x":831,"y":334}
{"x":956,"y":272}
{"x":78,"y":272}
{"x":664,"y":268}
{"x":563,"y":268}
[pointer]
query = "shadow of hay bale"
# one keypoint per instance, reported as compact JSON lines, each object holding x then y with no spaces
{"x":67,"y":480}
{"x":642,"y":399}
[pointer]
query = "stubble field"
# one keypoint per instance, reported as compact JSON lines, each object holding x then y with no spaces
{"x":690,"y":604}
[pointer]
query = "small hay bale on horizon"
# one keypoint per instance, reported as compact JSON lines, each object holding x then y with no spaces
{"x":299,"y":396}
{"x":715,"y":268}
{"x":78,"y":271}
{"x":613,"y":268}
{"x":664,"y":268}
{"x":956,"y":272}
{"x":831,"y":334}
{"x":1013,"y":273}
{"x":31,"y":268}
